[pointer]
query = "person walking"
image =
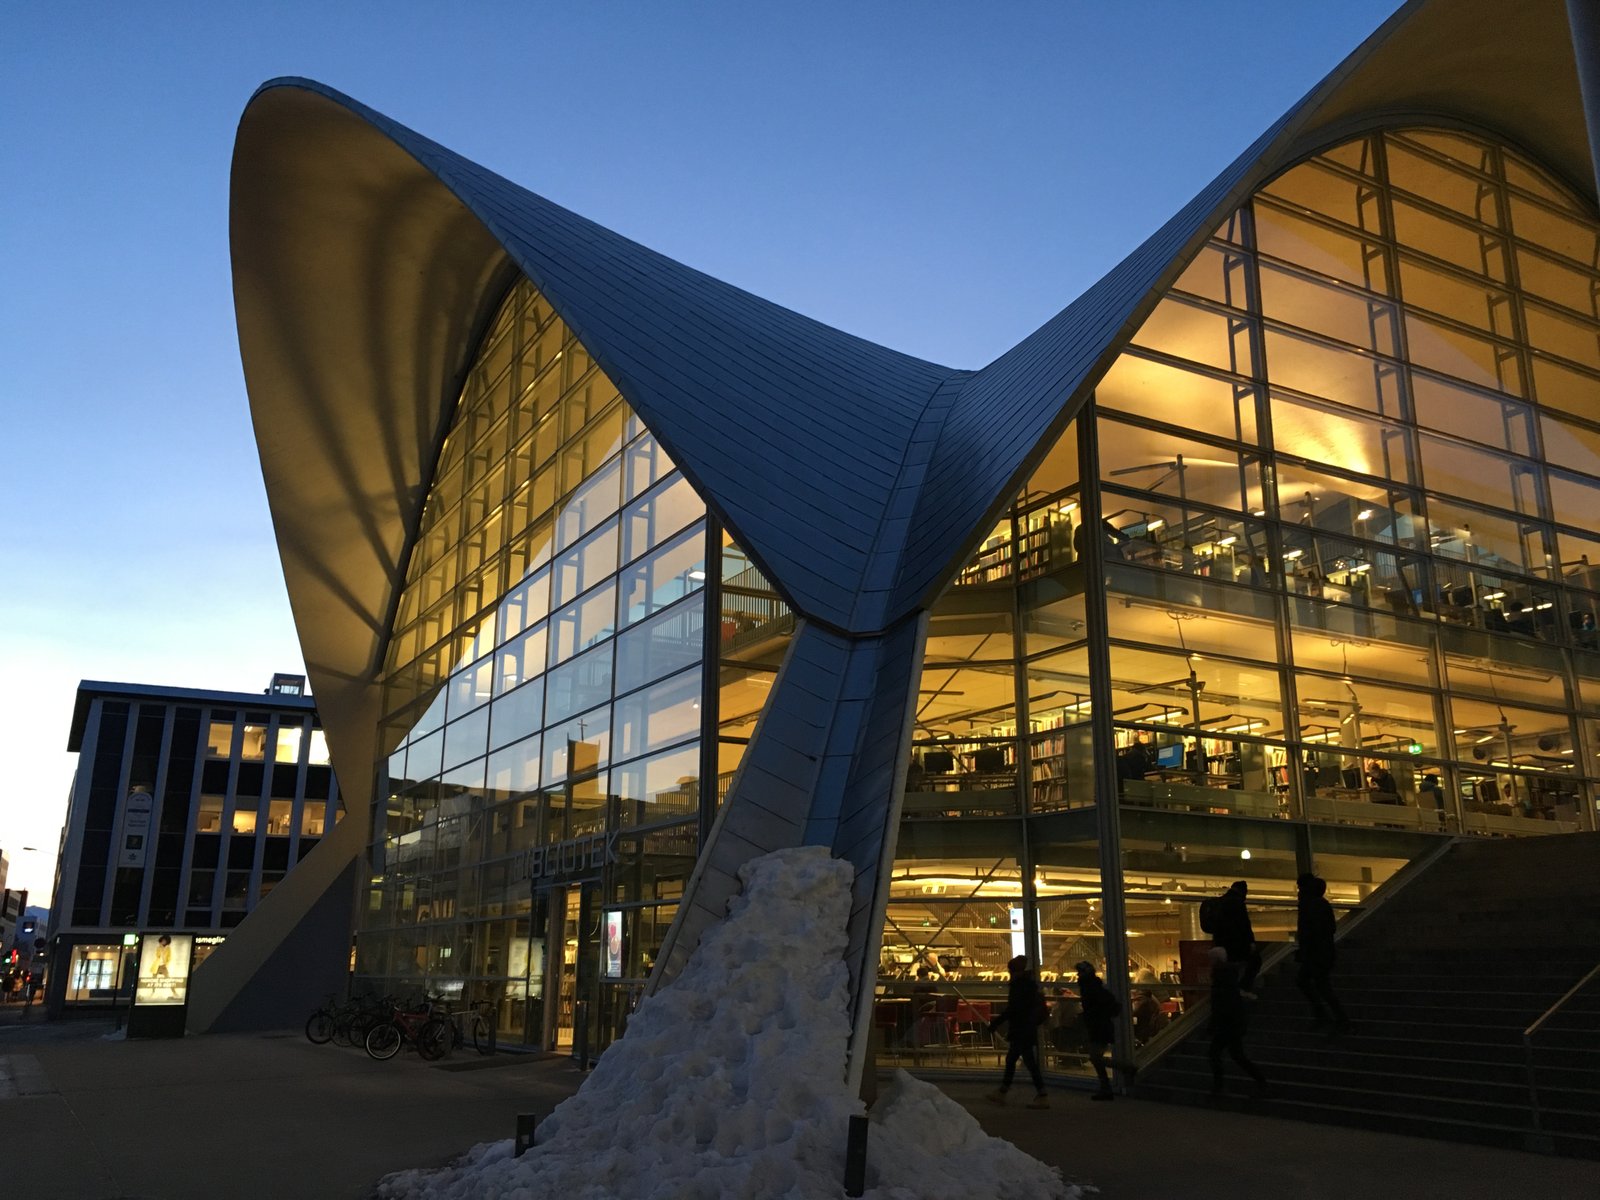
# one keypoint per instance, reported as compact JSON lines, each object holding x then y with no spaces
{"x":1314,"y":932}
{"x":1230,"y":1015}
{"x":1024,"y":1012}
{"x":1231,"y":929}
{"x":1101,"y":1008}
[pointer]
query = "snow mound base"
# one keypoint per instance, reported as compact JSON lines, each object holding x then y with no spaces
{"x":729,"y":1083}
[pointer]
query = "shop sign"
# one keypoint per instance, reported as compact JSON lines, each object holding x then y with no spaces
{"x":135,"y":828}
{"x":577,"y":856}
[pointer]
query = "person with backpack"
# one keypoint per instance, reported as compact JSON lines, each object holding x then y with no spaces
{"x":1227,"y":920}
{"x":1101,"y":1009}
{"x":1025,"y":1011}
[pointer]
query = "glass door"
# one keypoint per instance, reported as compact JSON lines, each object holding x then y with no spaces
{"x":565,"y":925}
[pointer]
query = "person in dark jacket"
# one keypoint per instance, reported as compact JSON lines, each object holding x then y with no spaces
{"x":1230,"y":1014}
{"x":1024,"y":1012}
{"x":1101,"y":1008}
{"x":1314,"y":932}
{"x":1234,"y":933}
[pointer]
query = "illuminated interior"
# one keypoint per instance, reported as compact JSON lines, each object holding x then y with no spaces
{"x":1345,"y":479}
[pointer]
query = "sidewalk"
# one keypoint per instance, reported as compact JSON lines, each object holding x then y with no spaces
{"x":270,"y":1116}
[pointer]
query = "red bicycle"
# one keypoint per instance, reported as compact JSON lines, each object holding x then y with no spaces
{"x":428,"y":1032}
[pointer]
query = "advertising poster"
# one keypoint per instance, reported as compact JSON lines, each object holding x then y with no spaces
{"x":164,"y":969}
{"x":613,"y":944}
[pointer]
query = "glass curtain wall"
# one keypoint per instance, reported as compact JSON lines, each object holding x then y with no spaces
{"x":540,"y":792}
{"x":1347,"y":475}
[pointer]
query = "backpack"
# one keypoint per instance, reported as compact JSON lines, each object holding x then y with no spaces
{"x":1210,"y":914}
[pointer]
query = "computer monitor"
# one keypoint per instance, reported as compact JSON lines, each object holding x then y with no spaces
{"x":1351,"y":777}
{"x":1170,"y":756}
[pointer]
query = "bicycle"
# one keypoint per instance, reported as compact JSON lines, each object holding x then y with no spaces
{"x":422,"y":1027}
{"x":471,"y":1023}
{"x":320,"y":1024}
{"x":352,"y":1023}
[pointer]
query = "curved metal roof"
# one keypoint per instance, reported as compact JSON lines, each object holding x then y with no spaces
{"x":367,"y":259}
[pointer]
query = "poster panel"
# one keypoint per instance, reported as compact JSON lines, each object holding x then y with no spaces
{"x":164,"y":960}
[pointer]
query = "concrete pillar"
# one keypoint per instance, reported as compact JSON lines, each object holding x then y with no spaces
{"x":1583,"y":16}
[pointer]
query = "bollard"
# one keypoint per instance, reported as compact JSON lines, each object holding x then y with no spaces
{"x":524,"y":1143}
{"x":855,"y":1158}
{"x":580,"y":1033}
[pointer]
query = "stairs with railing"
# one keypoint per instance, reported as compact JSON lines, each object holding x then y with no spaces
{"x":1440,"y":983}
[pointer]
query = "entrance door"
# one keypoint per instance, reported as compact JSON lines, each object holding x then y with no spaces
{"x":566,"y":910}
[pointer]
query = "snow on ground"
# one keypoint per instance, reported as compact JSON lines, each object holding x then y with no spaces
{"x":729,"y":1083}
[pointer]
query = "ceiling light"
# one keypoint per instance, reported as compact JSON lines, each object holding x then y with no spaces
{"x":1244,"y":854}
{"x":1363,"y":514}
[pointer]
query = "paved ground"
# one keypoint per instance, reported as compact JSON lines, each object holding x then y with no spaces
{"x":271,"y":1116}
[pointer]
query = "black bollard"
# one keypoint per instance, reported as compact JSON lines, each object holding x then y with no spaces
{"x":855,"y":1158}
{"x":524,"y":1142}
{"x":580,"y":1033}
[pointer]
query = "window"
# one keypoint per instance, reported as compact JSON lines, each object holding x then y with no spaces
{"x":219,"y":739}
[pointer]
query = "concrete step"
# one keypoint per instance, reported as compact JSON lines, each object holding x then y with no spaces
{"x":1366,"y":1009}
{"x":1393,"y":1097}
{"x":1576,"y":1092}
{"x":1558,"y":1072}
{"x":1512,"y":1136}
{"x":1351,"y":973}
{"x":1581,"y":1056}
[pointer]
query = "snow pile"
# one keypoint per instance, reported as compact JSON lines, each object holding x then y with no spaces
{"x":730,"y":1083}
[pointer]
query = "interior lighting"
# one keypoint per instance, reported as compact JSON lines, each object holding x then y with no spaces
{"x":697,"y":574}
{"x":1244,"y":854}
{"x":1289,"y":555}
{"x":1364,"y":514}
{"x":1228,"y":541}
{"x":1494,"y":596}
{"x":1258,"y":512}
{"x":1545,"y":605}
{"x":1155,"y":524}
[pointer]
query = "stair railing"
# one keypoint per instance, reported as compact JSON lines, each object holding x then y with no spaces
{"x":1527,"y":1043}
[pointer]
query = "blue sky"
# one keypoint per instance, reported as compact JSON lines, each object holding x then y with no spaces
{"x":940,"y":177}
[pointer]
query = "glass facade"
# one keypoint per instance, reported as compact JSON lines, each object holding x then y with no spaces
{"x":1338,"y":492}
{"x":1340,"y":487}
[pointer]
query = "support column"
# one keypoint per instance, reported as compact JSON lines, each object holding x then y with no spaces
{"x":1113,"y":906}
{"x":1583,"y":17}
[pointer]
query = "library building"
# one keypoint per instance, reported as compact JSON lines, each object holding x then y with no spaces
{"x":1277,"y":550}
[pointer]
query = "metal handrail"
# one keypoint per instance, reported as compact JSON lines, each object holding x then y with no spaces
{"x":1527,"y":1043}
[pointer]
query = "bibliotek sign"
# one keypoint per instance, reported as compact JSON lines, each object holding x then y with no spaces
{"x":576,"y":856}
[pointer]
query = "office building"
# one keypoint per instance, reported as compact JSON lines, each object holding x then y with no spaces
{"x":187,"y":809}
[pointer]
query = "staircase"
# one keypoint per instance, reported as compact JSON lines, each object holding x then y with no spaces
{"x":1439,"y":983}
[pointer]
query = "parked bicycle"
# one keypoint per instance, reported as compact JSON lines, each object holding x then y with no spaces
{"x":471,"y":1024}
{"x":421,"y":1027}
{"x":320,"y":1024}
{"x":352,"y":1023}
